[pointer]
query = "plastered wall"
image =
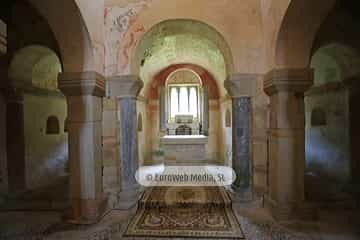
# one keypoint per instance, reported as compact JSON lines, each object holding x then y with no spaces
{"x":327,"y":147}
{"x":46,"y":156}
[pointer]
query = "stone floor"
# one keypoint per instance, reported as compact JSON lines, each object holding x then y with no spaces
{"x":255,"y":222}
{"x":52,"y":197}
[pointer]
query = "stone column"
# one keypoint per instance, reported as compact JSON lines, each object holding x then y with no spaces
{"x":206,"y":113}
{"x":286,"y":89}
{"x":162,"y":109}
{"x":3,"y":38}
{"x":353,"y":87}
{"x":126,"y":90}
{"x":241,"y":87}
{"x":15,"y":138}
{"x":84,"y":92}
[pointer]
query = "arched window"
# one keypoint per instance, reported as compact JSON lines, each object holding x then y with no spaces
{"x":318,"y":117}
{"x":193,"y":104}
{"x":227,"y":118}
{"x":184,"y":100}
{"x":139,"y":123}
{"x":52,"y":125}
{"x":183,"y":88}
{"x":174,"y":102}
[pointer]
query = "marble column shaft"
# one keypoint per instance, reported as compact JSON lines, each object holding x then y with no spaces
{"x":126,"y":90}
{"x":128,"y":142}
{"x":84,"y":93}
{"x":241,"y":87}
{"x":286,"y":89}
{"x":241,"y":160}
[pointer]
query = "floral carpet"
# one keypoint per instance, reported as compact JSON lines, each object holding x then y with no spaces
{"x":185,"y":212}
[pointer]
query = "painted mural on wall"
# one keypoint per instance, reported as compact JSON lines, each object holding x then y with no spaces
{"x":123,"y":32}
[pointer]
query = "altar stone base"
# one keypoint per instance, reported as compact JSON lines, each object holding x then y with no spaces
{"x":185,"y":150}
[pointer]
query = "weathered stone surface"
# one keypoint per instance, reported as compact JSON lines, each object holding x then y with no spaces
{"x":128,"y":142}
{"x":241,"y":163}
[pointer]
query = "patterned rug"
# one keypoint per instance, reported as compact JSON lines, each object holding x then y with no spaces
{"x":184,"y":212}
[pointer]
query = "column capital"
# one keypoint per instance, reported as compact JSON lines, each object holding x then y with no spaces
{"x":241,"y":84}
{"x":288,"y":80}
{"x":125,"y":86}
{"x":82,"y":83}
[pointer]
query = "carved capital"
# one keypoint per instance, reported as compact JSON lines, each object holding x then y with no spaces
{"x":82,"y":83}
{"x":126,"y":86}
{"x":288,"y":80}
{"x":240,"y":85}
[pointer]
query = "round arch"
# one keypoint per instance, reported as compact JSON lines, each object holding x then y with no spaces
{"x":161,"y":77}
{"x":184,"y":70}
{"x":343,"y":59}
{"x":74,"y":39}
{"x":182,"y":41}
{"x":35,"y":66}
{"x":297,"y":33}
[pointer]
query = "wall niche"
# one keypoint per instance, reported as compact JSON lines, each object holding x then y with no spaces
{"x":52,"y":125}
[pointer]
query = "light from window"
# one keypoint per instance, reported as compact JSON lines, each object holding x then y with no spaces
{"x":193,"y":102}
{"x":183,"y":101}
{"x":174,"y":102}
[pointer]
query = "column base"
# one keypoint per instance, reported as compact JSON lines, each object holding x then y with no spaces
{"x":86,"y":211}
{"x":291,"y":210}
{"x":241,"y":195}
{"x":129,"y":198}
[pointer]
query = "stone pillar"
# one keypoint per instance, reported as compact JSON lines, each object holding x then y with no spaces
{"x":206,"y":113}
{"x":353,"y":87}
{"x":286,"y":89}
{"x":15,"y":139}
{"x":162,"y":109}
{"x":3,"y":38}
{"x":126,"y":90}
{"x":84,"y":92}
{"x":241,"y":87}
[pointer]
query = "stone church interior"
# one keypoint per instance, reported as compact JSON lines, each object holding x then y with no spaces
{"x":94,"y":93}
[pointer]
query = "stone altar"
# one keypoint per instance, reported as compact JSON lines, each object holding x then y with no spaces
{"x":184,"y":150}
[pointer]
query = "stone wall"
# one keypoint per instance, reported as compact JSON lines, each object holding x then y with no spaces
{"x":238,"y":21}
{"x":260,"y":125}
{"x":225,"y":133}
{"x":46,"y":155}
{"x":327,"y":144}
{"x":143,"y":137}
{"x":213,"y":146}
{"x":110,"y":150}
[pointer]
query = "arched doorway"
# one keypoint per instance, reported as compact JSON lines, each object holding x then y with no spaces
{"x":167,"y":50}
{"x":42,"y":23}
{"x":285,"y":85}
